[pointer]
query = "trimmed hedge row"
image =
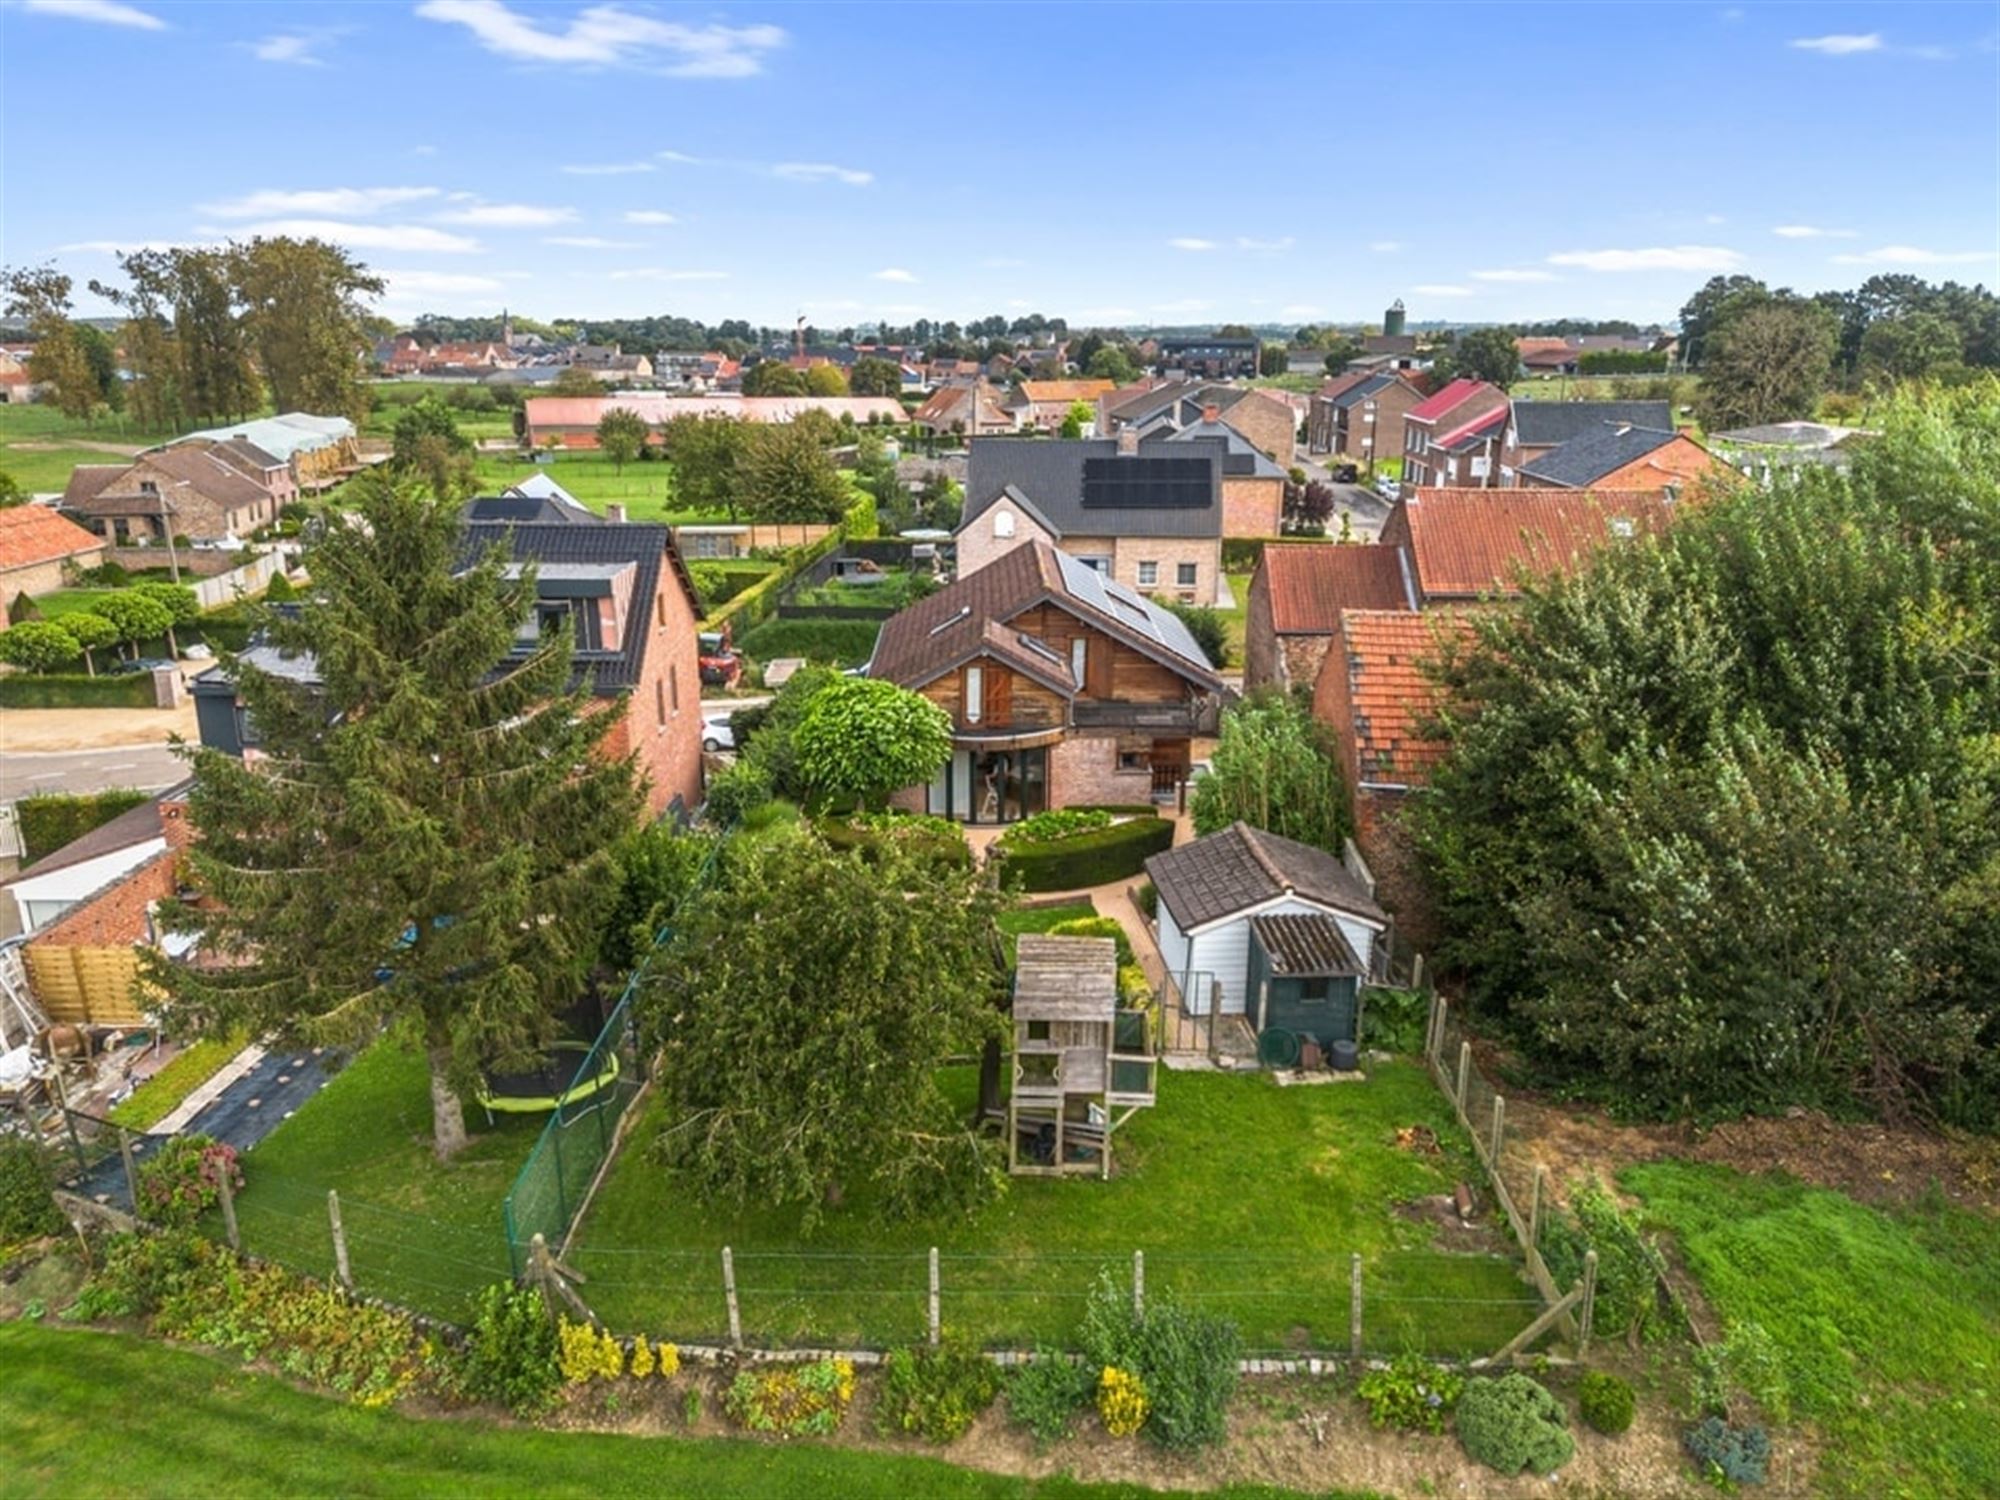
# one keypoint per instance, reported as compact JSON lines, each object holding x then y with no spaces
{"x":76,"y":690}
{"x":51,"y":819}
{"x":756,"y":603}
{"x":848,"y":643}
{"x":934,"y":840}
{"x":1086,"y":859}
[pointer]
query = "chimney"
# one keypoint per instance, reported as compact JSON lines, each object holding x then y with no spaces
{"x":1128,"y":439}
{"x":615,"y":514}
{"x":1211,"y":412}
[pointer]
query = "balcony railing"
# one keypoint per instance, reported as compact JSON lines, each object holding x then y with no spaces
{"x":1160,"y":718}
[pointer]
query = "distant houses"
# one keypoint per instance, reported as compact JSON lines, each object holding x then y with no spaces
{"x":37,"y":546}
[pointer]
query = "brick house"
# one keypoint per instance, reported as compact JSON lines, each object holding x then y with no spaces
{"x":36,"y":546}
{"x":1253,"y":487}
{"x":1360,"y":415}
{"x":1445,"y":435}
{"x":1148,"y":515}
{"x":1536,"y":429}
{"x":966,"y":410}
{"x":1267,"y":421}
{"x":207,"y":489}
{"x":1296,"y":598}
{"x":624,"y":591}
{"x":1044,"y":404}
{"x":1064,"y":688}
{"x":1465,"y":545}
{"x":1622,"y":457}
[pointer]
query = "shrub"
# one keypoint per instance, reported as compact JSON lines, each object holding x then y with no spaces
{"x":1739,"y":1455}
{"x":1514,"y":1423}
{"x":806,"y":1399}
{"x":1394,"y":1019}
{"x":1606,"y":1402}
{"x":938,"y":842}
{"x":76,"y":690}
{"x":1411,"y":1395}
{"x":936,"y":1393}
{"x":1185,"y":1361}
{"x":1207,"y":628}
{"x":1628,"y":1263}
{"x":1087,"y":859}
{"x":846,"y":643}
{"x":1135,"y":990}
{"x":27,"y":1204}
{"x":140,"y":1271}
{"x":1045,"y":1395}
{"x":1062,"y":823}
{"x":1121,"y":1401}
{"x":1747,"y":1358}
{"x":280,"y":590}
{"x":587,"y":1354}
{"x":510,"y":1351}
{"x":643,"y":1362}
{"x":50,"y":820}
{"x":1149,"y":901}
{"x":1098,"y":927}
{"x":737,"y":792}
{"x":183,"y":1180}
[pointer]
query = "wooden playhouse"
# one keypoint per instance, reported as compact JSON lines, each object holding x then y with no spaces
{"x":1082,"y":1065}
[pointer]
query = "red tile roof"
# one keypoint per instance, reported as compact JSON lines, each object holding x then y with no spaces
{"x":1465,"y":543}
{"x":1480,"y":423}
{"x":1373,"y":688}
{"x":1310,"y":585}
{"x":1067,"y":390}
{"x":31,"y":534}
{"x":1433,"y":407}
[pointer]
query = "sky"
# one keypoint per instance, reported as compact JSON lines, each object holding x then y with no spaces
{"x":1108,"y":163}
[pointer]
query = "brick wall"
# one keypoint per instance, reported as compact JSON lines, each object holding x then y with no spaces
{"x":978,"y":544}
{"x":1300,"y":658}
{"x":1401,"y":885}
{"x":114,"y":917}
{"x":1083,"y":772}
{"x":1168,"y":553}
{"x":662,"y":720}
{"x":38,"y":578}
{"x":1270,"y":425}
{"x":1260,"y":639}
{"x":1252,"y":507}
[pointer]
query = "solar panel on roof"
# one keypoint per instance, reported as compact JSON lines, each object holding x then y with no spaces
{"x":1146,"y":483}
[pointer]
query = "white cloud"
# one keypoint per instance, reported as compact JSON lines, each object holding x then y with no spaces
{"x":1713,"y":219}
{"x":1654,"y":258}
{"x":1733,"y":14}
{"x":1183,"y":305}
{"x":103,"y":12}
{"x":418,"y":237}
{"x":609,"y":168}
{"x":437,"y":283}
{"x":1839,"y":44}
{"x":1506,"y":274}
{"x":679,"y":156}
{"x":896,"y":273}
{"x":288,"y":47}
{"x":1386,"y":247}
{"x":648,"y":216}
{"x":1189,"y":242}
{"x":423,"y":151}
{"x":341,"y":202}
{"x":589,"y":242}
{"x":1811,"y":232}
{"x":507,"y":215}
{"x":1438,"y":289}
{"x":1911,"y":255}
{"x":663,"y":273}
{"x":1283,"y":242}
{"x":820,"y":171}
{"x":117,"y":247}
{"x":611,"y":36}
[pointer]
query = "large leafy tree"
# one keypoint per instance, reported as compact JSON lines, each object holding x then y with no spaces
{"x":621,"y":435}
{"x":1488,"y":354}
{"x":303,"y":306}
{"x":860,"y":740}
{"x":60,"y":358}
{"x":1718,"y":824}
{"x":1910,"y":346}
{"x":427,"y":445}
{"x":188,"y":345}
{"x":427,"y":836}
{"x":774,"y":377}
{"x":92,"y":633}
{"x":707,"y":454}
{"x":801,"y":1012}
{"x":136,"y":616}
{"x":1768,"y":363}
{"x":37,"y":645}
{"x":786,"y":475}
{"x":1273,"y":770}
{"x":875,"y":377}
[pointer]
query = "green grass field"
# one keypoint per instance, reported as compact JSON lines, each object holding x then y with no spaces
{"x":1246,"y":1197}
{"x":644,"y":489}
{"x":85,"y":1414}
{"x":39,"y":446}
{"x":1888,"y":1323}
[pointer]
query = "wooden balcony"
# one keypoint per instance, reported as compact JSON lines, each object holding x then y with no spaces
{"x":1203,"y":717}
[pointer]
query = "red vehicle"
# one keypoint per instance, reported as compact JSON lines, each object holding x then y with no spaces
{"x":720,"y":665}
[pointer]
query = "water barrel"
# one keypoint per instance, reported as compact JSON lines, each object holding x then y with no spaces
{"x":1343,"y":1057}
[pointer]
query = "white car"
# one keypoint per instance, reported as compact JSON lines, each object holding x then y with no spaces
{"x":717,"y":735}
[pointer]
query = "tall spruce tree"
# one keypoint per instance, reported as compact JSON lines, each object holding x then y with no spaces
{"x":427,"y":836}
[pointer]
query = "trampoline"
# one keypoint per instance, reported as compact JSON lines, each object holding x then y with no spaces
{"x":557,"y":1084}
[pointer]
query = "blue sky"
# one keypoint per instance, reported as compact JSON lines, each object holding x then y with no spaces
{"x":1111,"y":163}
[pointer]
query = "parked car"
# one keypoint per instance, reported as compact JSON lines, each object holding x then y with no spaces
{"x":145,"y":664}
{"x":198,"y":651}
{"x":1345,"y":473}
{"x":1388,"y":489}
{"x":717,"y":735}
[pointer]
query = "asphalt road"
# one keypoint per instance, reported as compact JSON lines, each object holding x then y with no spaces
{"x":148,"y":767}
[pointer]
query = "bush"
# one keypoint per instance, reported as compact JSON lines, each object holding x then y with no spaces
{"x":1045,"y":1395}
{"x":1207,"y":627}
{"x":1184,"y":1363}
{"x":937,"y":842}
{"x":1739,"y":1455}
{"x":510,"y":1351}
{"x":1628,"y":1263}
{"x":27,"y":1204}
{"x":587,"y":1355}
{"x":1606,"y":1402}
{"x":936,"y":1393}
{"x":140,"y":1272}
{"x":50,"y":820}
{"x":847,"y":643}
{"x":1062,"y":823}
{"x":805,"y":1399}
{"x":1121,"y":1401}
{"x":76,"y":690}
{"x":737,"y":792}
{"x":280,"y":590}
{"x":1394,"y":1020}
{"x":183,"y":1180}
{"x":1749,"y":1359}
{"x":1411,"y":1395}
{"x":1514,"y":1423}
{"x":1149,"y":901}
{"x":1099,"y":927}
{"x":1081,"y":860}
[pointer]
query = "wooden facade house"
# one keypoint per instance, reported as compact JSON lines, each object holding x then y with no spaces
{"x":1082,"y":1066}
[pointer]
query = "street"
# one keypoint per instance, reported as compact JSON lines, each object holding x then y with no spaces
{"x":148,"y":767}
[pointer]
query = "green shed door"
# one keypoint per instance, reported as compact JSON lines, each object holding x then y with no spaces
{"x":1320,"y":1007}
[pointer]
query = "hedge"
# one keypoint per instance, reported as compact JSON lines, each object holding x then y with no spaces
{"x":75,"y":690}
{"x":1241,"y":554}
{"x":51,"y":819}
{"x":755,"y":604}
{"x":935,"y":841}
{"x":848,"y":642}
{"x":1086,"y":859}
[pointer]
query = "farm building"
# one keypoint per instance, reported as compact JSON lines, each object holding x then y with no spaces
{"x":1212,"y":890}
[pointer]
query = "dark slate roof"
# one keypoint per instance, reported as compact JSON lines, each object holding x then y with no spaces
{"x":1587,"y":459}
{"x":1242,"y":867}
{"x":136,"y":825}
{"x":1049,"y":474}
{"x":1305,"y":943}
{"x":1240,"y":458}
{"x":1549,"y":424}
{"x":1361,"y":390}
{"x":524,"y":510}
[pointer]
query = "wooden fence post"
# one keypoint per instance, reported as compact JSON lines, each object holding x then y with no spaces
{"x":729,"y":1292}
{"x":1437,"y":1037}
{"x":69,"y":1124}
{"x":1354,"y":1305}
{"x":1499,"y":1130}
{"x":340,"y":1263}
{"x":131,"y":1172}
{"x":1464,"y":1075}
{"x":1535,"y":1210}
{"x":227,"y":1198}
{"x":1589,"y":1308}
{"x":1417,"y":972}
{"x":934,"y":1297}
{"x":1138,"y":1283}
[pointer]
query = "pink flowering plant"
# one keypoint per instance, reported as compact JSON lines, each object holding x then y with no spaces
{"x":183,"y":1180}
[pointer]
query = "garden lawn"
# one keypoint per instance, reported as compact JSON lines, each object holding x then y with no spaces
{"x":845,"y":643}
{"x":1246,"y":1197}
{"x":644,"y":489}
{"x":98,"y":1414}
{"x":72,"y":602}
{"x":1236,"y":619}
{"x":420,"y":1233}
{"x":1888,"y":1323}
{"x":160,"y":1095}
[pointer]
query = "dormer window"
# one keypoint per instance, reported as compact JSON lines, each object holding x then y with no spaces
{"x":1003,"y":523}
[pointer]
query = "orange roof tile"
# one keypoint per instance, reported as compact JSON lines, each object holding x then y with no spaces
{"x":1373,"y":686}
{"x":1466,"y":542}
{"x":1309,"y":585}
{"x":31,"y":534}
{"x":1066,"y":390}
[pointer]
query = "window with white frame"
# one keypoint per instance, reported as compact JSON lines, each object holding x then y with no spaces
{"x":1079,"y":658}
{"x":1003,"y":523}
{"x":1149,"y":574}
{"x":975,"y":694}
